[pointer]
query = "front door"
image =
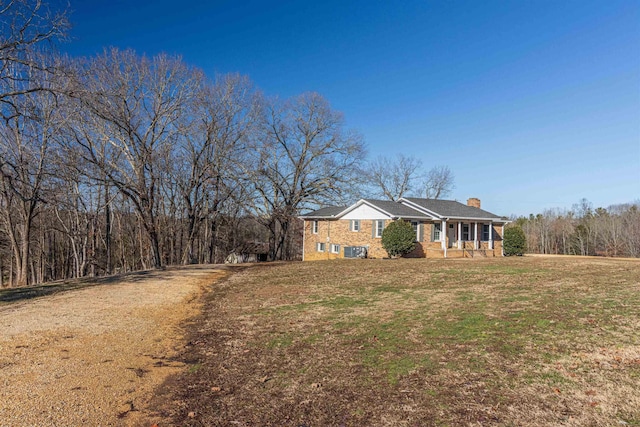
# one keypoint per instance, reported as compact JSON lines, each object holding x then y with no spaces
{"x":451,"y":235}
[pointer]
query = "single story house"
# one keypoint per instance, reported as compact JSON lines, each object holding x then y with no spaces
{"x":444,"y":229}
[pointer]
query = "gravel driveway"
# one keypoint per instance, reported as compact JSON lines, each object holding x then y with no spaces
{"x":94,"y":356}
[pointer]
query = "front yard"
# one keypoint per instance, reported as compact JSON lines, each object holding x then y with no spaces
{"x":510,"y":341}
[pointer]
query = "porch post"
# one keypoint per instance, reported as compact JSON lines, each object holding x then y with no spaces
{"x":475,"y":235}
{"x":443,"y":237}
{"x":459,"y":235}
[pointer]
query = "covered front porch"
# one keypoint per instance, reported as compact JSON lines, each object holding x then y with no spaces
{"x":468,"y":238}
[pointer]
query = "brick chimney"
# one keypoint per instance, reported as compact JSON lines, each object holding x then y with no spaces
{"x":474,"y":202}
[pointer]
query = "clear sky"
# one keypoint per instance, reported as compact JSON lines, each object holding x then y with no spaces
{"x":532,"y":104}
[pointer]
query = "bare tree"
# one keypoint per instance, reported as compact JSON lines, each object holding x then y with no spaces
{"x":630,"y":218}
{"x":614,"y":231}
{"x":213,"y":144}
{"x":393,"y":179}
{"x":304,"y":158}
{"x":135,"y":104}
{"x":24,"y":26}
{"x":26,"y":67}
{"x":440,"y":182}
{"x":27,"y":135}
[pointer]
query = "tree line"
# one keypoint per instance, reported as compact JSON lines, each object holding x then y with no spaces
{"x":121,"y":162}
{"x":583,"y":230}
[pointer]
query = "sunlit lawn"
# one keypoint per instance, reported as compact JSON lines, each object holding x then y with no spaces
{"x":508,"y":341}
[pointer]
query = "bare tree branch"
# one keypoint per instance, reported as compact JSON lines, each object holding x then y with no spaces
{"x":393,"y":179}
{"x":439,"y":182}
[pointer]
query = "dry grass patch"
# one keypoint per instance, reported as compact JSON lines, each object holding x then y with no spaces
{"x":514,"y":341}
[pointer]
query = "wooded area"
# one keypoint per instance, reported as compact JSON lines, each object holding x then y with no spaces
{"x":583,"y":230}
{"x":122,"y":162}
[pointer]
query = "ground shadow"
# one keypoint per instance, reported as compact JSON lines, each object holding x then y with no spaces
{"x":11,"y":295}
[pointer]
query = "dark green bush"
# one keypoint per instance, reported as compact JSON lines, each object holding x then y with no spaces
{"x":398,"y":238}
{"x":515,"y":242}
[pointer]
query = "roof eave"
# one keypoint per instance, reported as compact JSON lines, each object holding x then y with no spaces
{"x":303,"y":217}
{"x":470,"y":218}
{"x":421,"y":218}
{"x":422,"y":209}
{"x":365,"y":202}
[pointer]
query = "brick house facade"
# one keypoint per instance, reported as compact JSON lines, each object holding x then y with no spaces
{"x":444,"y":229}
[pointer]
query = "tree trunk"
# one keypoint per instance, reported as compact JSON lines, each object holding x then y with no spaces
{"x":22,"y":276}
{"x":212,"y":242}
{"x":107,"y":232}
{"x":11,"y":270}
{"x":187,"y":256}
{"x":155,"y":249}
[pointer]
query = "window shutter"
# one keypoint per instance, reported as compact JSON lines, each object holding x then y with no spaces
{"x":373,"y":228}
{"x":420,"y":232}
{"x":351,"y":225}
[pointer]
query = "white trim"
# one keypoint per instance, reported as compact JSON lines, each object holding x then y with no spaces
{"x":417,"y":224}
{"x":464,"y":218}
{"x":360,"y":203}
{"x":377,"y":223}
{"x":443,"y":237}
{"x":363,"y":202}
{"x":336,"y":247}
{"x":311,"y":218}
{"x":420,"y":208}
{"x":366,"y":211}
{"x":475,"y":235}
{"x":434,"y":230}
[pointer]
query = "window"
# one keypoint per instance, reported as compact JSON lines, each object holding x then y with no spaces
{"x":485,"y":232}
{"x":435,"y":236}
{"x":379,"y":228}
{"x":465,"y":232}
{"x":416,"y":228}
{"x":355,"y":225}
{"x":315,"y":227}
{"x":320,"y":247}
{"x":335,"y":249}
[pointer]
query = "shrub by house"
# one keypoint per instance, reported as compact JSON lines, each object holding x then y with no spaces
{"x":399,"y":238}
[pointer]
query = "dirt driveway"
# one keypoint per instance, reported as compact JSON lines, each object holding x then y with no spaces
{"x":93,"y":356}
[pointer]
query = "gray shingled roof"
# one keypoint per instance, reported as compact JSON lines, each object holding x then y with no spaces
{"x":397,"y":209}
{"x":443,"y":208}
{"x":452,"y":209}
{"x":328,"y":212}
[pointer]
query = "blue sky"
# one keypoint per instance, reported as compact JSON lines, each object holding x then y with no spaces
{"x":532,"y":104}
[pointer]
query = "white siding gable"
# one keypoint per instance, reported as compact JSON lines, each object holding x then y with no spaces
{"x":365,"y":211}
